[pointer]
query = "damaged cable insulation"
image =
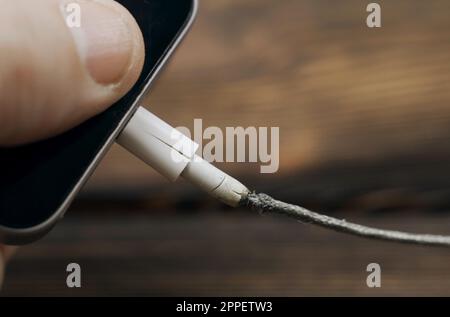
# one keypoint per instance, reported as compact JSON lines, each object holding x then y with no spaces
{"x":265,"y":204}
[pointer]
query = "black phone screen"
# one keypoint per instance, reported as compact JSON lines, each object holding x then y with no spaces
{"x":37,"y":179}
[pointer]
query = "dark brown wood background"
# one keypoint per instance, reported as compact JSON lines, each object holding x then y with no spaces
{"x":364,"y":117}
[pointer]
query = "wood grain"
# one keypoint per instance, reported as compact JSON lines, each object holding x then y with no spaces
{"x":339,"y":91}
{"x":226,"y":255}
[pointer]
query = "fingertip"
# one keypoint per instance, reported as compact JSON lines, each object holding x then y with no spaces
{"x":136,"y":64}
{"x":112,"y":48}
{"x":65,"y":75}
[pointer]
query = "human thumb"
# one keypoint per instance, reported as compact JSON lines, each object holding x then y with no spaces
{"x":61,"y":62}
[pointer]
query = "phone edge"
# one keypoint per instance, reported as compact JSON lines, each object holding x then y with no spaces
{"x":14,"y":236}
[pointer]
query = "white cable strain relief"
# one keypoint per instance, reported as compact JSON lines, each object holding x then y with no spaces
{"x":173,"y":154}
{"x":158,"y":144}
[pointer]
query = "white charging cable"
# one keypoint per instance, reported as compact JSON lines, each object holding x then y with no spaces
{"x":172,"y":154}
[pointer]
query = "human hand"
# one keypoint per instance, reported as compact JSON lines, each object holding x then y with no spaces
{"x":53,"y":77}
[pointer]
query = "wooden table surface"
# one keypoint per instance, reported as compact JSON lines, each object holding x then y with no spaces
{"x":226,"y":254}
{"x":339,"y":91}
{"x":364,"y":117}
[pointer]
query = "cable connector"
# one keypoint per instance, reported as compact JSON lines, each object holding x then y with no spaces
{"x":172,"y":154}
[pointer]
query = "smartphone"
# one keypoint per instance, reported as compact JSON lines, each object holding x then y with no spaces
{"x":39,"y":181}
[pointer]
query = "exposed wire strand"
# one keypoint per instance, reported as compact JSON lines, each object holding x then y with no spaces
{"x":265,"y":204}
